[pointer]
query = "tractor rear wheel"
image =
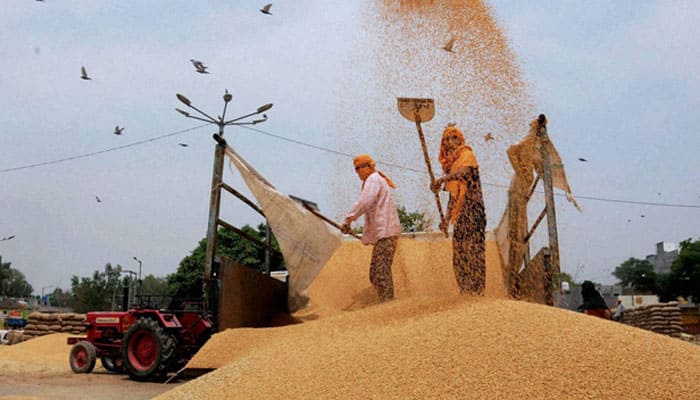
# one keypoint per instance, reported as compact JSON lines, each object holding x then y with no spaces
{"x":82,"y":357}
{"x":112,"y":363}
{"x":147,"y":350}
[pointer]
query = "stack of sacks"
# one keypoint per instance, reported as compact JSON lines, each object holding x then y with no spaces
{"x":14,"y":337}
{"x":40,"y":324}
{"x":664,"y":318}
{"x":72,"y":323}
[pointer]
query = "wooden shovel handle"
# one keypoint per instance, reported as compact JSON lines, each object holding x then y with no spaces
{"x":328,"y":220}
{"x":430,"y":171}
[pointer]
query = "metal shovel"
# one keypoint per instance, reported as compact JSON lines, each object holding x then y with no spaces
{"x":422,"y":110}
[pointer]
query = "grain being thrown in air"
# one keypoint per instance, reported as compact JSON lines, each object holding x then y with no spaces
{"x":478,"y":86}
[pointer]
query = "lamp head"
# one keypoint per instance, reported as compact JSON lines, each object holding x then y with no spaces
{"x":264,"y":108}
{"x":183,"y":99}
{"x":183,"y":112}
{"x":227,"y":96}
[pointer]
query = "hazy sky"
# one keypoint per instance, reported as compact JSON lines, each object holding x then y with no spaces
{"x":618,"y":81}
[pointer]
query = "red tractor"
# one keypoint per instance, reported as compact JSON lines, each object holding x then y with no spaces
{"x":145,"y":343}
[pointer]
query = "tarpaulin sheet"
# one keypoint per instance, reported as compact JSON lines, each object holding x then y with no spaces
{"x":306,"y":242}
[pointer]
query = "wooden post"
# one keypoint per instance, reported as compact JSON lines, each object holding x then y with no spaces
{"x":214,"y":204}
{"x":553,"y":267}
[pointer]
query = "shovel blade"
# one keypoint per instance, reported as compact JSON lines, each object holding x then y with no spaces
{"x":416,"y":110}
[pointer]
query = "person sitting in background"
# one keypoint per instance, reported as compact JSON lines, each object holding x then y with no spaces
{"x":593,"y":303}
{"x":619,"y":311}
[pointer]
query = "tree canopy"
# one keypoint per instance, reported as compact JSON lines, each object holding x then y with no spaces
{"x":411,"y":221}
{"x":638,"y":274}
{"x":99,"y":292}
{"x":187,"y":281}
{"x":685,"y":270}
{"x":13,"y":282}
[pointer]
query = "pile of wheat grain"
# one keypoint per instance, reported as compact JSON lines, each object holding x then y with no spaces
{"x":432,"y":342}
{"x":455,"y":347}
{"x":43,"y":355}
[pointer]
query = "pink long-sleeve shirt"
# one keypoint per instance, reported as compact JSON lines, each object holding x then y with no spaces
{"x":377,"y":204}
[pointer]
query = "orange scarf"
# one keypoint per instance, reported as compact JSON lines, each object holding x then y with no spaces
{"x":461,"y":157}
{"x":364,"y":159}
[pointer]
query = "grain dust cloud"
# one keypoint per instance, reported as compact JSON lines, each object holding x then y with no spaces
{"x":477,"y":85}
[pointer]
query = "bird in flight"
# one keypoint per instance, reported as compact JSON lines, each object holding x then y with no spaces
{"x":98,"y":199}
{"x":201,"y":68}
{"x":642,"y":215}
{"x":183,"y":144}
{"x":83,"y":74}
{"x":266,"y":9}
{"x":488,"y":137}
{"x":118,"y":130}
{"x":448,"y":46}
{"x":582,"y":159}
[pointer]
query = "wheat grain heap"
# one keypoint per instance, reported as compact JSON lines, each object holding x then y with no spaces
{"x":433,"y":343}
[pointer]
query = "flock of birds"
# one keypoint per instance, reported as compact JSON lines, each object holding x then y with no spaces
{"x":199,"y":67}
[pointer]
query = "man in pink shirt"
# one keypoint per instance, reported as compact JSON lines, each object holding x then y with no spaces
{"x":382,"y":226}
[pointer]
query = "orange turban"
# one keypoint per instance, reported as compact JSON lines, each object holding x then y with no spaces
{"x":365,"y":159}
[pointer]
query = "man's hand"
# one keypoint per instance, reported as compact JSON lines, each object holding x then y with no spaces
{"x":345,"y":228}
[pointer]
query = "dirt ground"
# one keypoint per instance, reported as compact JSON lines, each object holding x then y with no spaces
{"x":98,"y":385}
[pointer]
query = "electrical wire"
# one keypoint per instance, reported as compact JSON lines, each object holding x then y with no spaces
{"x":260,"y":131}
{"x":647,"y":203}
{"x":94,"y":153}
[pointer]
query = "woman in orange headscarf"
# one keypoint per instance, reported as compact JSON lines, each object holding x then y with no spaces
{"x":465,"y":210}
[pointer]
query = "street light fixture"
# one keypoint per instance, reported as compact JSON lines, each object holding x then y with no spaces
{"x":215,"y":196}
{"x":221,"y":121}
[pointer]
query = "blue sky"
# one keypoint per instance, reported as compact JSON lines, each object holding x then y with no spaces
{"x":618,"y":81}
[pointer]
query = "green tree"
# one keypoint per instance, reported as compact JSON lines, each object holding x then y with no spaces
{"x":187,"y":281}
{"x":13,"y":282}
{"x":155,"y":291}
{"x":411,"y":221}
{"x":685,"y":270}
{"x":97,"y":293}
{"x":61,"y":298}
{"x":638,"y":274}
{"x":557,"y":279}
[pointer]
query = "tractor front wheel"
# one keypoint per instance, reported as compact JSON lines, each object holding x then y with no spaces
{"x":147,"y":350}
{"x":82,"y":357}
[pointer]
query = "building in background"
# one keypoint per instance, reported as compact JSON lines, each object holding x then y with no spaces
{"x":666,"y":253}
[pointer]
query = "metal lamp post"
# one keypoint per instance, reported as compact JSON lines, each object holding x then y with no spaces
{"x":139,"y":279}
{"x":42,"y":292}
{"x":217,"y":175}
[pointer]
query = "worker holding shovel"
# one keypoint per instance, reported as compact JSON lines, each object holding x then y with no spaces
{"x":382,"y":225}
{"x":465,"y":210}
